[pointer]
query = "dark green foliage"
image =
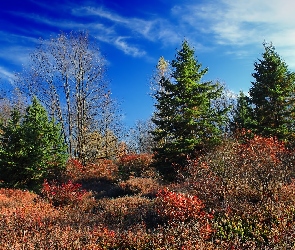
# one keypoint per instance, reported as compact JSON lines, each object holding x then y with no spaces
{"x":243,"y":114}
{"x":32,"y":149}
{"x":185,"y":119}
{"x":272,"y":96}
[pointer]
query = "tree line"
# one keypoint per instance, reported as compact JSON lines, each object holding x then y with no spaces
{"x":72,"y":112}
{"x":192,"y":116}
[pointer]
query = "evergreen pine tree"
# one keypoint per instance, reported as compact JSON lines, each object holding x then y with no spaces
{"x":32,"y":149}
{"x":272,"y":96}
{"x":185,"y":120}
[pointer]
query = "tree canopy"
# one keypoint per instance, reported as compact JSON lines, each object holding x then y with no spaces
{"x":32,"y":148}
{"x":271,"y":97}
{"x":185,"y":119}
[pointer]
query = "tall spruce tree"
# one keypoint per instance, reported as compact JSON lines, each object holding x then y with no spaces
{"x":272,"y":96}
{"x":185,"y":119}
{"x":32,"y":149}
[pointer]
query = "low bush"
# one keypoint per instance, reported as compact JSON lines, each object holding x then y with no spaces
{"x":239,"y":196}
{"x":126,"y":211}
{"x":135,"y":165}
{"x":68,"y":193}
{"x":101,"y":169}
{"x":141,"y":186}
{"x":244,"y":184}
{"x":177,"y":207}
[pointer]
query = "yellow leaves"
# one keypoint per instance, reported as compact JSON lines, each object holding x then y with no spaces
{"x":162,"y":66}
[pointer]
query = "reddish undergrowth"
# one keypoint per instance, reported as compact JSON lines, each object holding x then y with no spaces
{"x":237,"y":196}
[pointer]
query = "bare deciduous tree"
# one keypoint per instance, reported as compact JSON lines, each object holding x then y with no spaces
{"x":67,"y":74}
{"x":110,"y":128}
{"x":140,"y":137}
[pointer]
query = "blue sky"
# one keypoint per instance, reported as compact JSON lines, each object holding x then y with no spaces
{"x":132,"y":34}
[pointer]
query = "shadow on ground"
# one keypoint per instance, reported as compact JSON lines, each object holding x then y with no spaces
{"x":102,"y":187}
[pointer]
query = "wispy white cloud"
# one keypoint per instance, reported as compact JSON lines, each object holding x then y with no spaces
{"x":102,"y":32}
{"x":121,"y":43}
{"x":153,"y":29}
{"x":14,"y":38}
{"x":58,"y":23}
{"x":240,"y":22}
{"x":101,"y":12}
{"x":137,"y":25}
{"x":16,"y":48}
{"x":7,"y":75}
{"x":243,"y":23}
{"x":108,"y":26}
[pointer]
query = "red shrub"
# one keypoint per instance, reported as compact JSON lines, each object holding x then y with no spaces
{"x":65,"y":194}
{"x":261,"y":149}
{"x":177,"y":207}
{"x":102,"y":238}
